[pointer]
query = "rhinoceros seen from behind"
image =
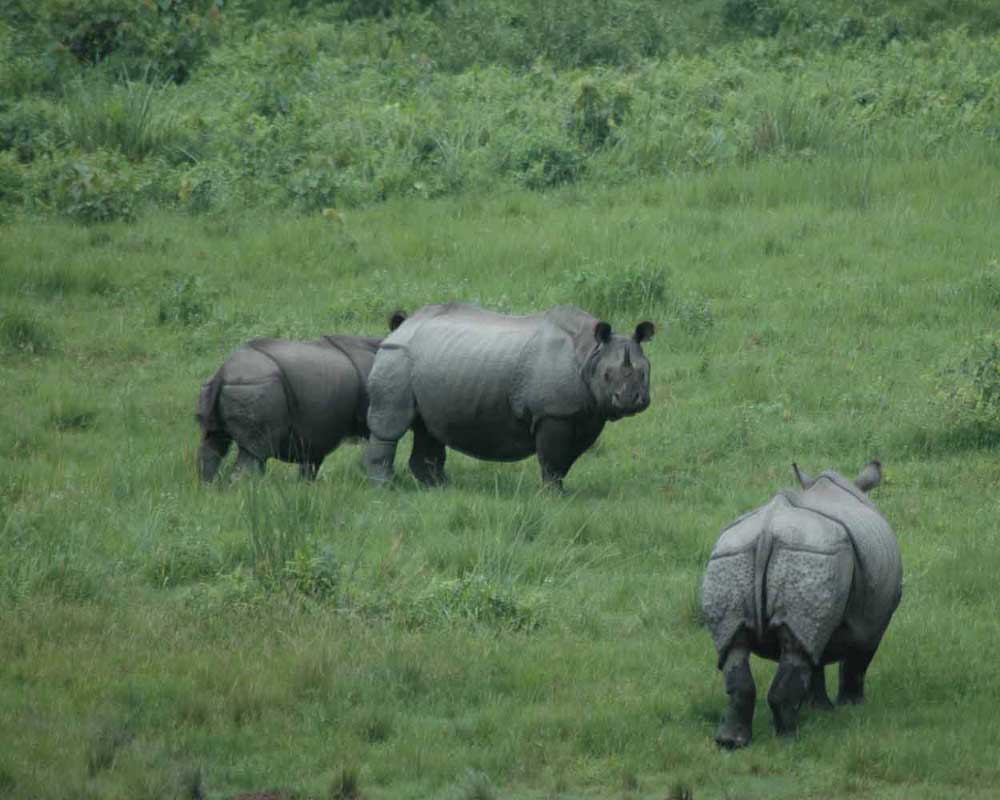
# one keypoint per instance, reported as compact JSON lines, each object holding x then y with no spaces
{"x":809,"y":579}
{"x":501,"y":387}
{"x":291,"y":400}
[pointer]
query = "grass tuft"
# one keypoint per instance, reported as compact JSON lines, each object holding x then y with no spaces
{"x":105,"y":744}
{"x":23,"y":333}
{"x":346,"y":785}
{"x":477,"y":786}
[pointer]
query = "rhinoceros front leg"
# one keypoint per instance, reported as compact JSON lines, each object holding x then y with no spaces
{"x":736,"y":728}
{"x":852,"y":677}
{"x":817,"y":690}
{"x":248,"y":464}
{"x":791,"y":684}
{"x":428,"y":456}
{"x":559,"y":443}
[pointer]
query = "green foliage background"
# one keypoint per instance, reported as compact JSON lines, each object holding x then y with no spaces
{"x":111,"y":107}
{"x":803,"y":196}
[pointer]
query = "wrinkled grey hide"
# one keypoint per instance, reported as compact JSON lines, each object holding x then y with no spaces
{"x":294,"y":401}
{"x":811,"y":578}
{"x":501,"y":387}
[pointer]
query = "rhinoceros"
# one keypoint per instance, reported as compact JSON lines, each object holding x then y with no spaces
{"x":809,"y":579}
{"x":500,"y":387}
{"x":291,"y":400}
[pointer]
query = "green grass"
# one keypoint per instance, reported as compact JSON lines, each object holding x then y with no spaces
{"x":165,"y":640}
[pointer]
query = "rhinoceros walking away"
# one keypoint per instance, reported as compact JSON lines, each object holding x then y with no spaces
{"x":294,"y":401}
{"x":809,"y":579}
{"x":501,"y":387}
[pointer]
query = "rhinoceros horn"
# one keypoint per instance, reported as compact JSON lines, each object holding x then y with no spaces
{"x":869,"y":477}
{"x":628,"y":359}
{"x":803,"y":477}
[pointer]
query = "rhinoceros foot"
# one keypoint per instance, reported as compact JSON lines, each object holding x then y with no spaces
{"x":734,"y":732}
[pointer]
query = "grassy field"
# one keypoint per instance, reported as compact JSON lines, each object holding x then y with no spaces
{"x":803,"y":195}
{"x":165,"y":640}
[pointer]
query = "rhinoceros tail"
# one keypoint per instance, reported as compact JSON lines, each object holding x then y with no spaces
{"x":397,"y":318}
{"x":762,"y":556}
{"x":207,"y":414}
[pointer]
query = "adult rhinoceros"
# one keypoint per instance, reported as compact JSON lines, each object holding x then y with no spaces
{"x":501,"y":387}
{"x":811,"y":578}
{"x":294,"y":401}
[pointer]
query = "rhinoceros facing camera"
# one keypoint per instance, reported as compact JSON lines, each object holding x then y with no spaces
{"x":501,"y":387}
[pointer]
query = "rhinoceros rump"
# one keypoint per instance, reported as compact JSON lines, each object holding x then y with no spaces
{"x":501,"y":387}
{"x":294,"y":401}
{"x":809,"y":579}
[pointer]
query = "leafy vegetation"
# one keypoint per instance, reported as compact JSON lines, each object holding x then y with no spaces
{"x":802,"y":195}
{"x":203,"y":105}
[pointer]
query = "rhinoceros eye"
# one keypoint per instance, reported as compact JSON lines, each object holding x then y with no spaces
{"x":607,"y":375}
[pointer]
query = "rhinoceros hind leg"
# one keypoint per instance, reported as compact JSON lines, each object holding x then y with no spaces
{"x":852,"y":677}
{"x":428,"y":456}
{"x":247,"y":463}
{"x":791,"y":684}
{"x":818,"y":697}
{"x":736,"y":728}
{"x":213,"y":449}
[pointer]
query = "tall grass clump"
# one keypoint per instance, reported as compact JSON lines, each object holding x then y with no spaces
{"x":612,"y":291}
{"x":126,"y":117}
{"x":24,"y":333}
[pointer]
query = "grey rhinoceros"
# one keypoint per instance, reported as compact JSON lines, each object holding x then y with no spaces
{"x":501,"y":387}
{"x":291,"y":400}
{"x":809,"y":579}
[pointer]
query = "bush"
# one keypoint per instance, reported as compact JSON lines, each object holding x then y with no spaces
{"x":99,"y":189}
{"x":541,"y":161}
{"x":28,"y":130}
{"x":185,"y":302}
{"x":971,"y":390}
{"x":169,"y":36}
{"x":598,"y":113}
{"x":760,"y":17}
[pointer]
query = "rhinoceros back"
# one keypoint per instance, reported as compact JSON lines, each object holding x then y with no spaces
{"x":478,"y":378}
{"x":878,"y":572}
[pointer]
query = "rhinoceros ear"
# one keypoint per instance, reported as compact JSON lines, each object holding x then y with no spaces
{"x":869,"y":477}
{"x":803,"y":477}
{"x":644,"y":332}
{"x":602,"y":332}
{"x":396,"y":319}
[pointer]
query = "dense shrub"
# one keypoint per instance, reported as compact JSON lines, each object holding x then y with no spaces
{"x":315,"y":105}
{"x":99,"y":189}
{"x":172,"y":36}
{"x":972,"y":388}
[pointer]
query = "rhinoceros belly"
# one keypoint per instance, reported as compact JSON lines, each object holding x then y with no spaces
{"x":462,"y":383}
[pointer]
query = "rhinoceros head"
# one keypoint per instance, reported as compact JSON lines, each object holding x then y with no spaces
{"x":618,"y":372}
{"x":869,"y":477}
